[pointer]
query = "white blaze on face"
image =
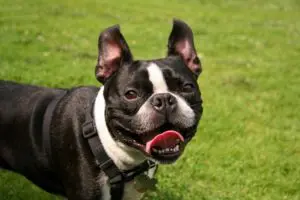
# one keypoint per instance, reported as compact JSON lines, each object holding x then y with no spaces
{"x":157,"y":79}
{"x":184,"y":115}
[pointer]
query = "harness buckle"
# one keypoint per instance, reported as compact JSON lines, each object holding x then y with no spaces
{"x":151,"y":164}
{"x":115,"y":180}
{"x":88,"y":129}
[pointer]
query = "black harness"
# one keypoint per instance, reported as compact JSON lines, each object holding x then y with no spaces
{"x":117,"y":178}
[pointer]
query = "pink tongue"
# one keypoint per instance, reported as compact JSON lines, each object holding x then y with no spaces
{"x":164,"y":140}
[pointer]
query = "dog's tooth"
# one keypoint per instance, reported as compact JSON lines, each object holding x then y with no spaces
{"x":167,"y":150}
{"x":154,"y":150}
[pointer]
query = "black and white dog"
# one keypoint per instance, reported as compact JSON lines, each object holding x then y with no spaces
{"x":146,"y":110}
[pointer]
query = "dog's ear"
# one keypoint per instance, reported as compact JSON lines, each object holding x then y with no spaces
{"x":181,"y":42}
{"x":113,"y":53}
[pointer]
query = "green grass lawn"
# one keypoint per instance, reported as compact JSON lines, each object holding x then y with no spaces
{"x":248,"y":143}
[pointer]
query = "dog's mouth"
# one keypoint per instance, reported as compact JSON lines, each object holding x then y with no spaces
{"x":164,"y":144}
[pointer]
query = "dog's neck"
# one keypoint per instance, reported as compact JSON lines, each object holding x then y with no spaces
{"x":123,"y":156}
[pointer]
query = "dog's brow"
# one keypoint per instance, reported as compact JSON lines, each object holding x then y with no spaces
{"x":157,"y":79}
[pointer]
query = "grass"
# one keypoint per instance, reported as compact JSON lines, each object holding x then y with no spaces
{"x":248,"y":143}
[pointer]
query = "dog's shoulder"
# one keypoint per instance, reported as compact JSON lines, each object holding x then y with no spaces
{"x":78,"y":98}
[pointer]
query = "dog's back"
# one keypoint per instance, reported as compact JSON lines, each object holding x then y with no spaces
{"x":22,"y":109}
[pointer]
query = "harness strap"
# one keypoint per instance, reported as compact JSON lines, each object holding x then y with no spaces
{"x":102,"y":160}
{"x":47,"y":123}
{"x":117,"y":178}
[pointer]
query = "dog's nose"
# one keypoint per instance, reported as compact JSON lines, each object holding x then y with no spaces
{"x":164,"y":102}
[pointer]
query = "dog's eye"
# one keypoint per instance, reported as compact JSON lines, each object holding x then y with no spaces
{"x":131,"y":95}
{"x":188,"y":86}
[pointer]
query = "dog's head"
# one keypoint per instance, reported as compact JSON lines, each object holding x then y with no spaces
{"x":153,"y":106}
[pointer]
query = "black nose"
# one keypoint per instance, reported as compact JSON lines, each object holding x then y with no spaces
{"x":163,"y":102}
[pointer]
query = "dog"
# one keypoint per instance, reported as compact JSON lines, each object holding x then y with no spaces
{"x":87,"y":143}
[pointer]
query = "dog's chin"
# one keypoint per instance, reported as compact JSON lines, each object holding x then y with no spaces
{"x":163,"y":145}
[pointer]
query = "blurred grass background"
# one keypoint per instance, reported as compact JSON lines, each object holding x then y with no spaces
{"x":248,"y":143}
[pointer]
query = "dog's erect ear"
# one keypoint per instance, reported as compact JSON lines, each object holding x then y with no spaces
{"x":113,"y":53}
{"x":181,"y":42}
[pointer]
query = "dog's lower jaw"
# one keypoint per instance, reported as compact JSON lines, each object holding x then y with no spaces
{"x":124,"y":157}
